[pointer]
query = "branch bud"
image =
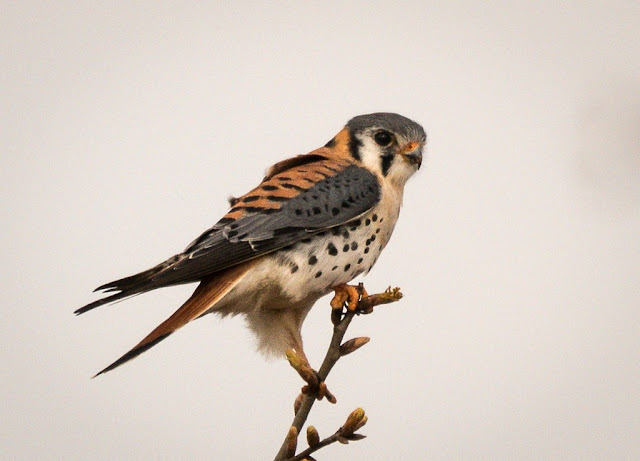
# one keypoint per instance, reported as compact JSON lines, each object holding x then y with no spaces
{"x":362,"y":422}
{"x":313,"y":438}
{"x":352,"y":422}
{"x":292,"y":442}
{"x":302,"y":367}
{"x":353,"y":345}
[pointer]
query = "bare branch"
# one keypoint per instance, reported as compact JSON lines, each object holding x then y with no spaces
{"x":357,"y":301}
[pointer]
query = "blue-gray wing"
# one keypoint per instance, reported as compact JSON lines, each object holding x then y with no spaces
{"x":284,"y":209}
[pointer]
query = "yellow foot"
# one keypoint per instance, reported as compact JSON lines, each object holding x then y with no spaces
{"x":349,"y":295}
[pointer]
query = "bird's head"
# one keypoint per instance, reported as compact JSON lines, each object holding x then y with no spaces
{"x":388,"y":144}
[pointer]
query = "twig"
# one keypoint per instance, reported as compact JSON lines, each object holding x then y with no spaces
{"x":305,"y":401}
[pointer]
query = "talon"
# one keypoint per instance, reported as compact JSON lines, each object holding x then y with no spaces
{"x":362,"y":291}
{"x":347,"y":294}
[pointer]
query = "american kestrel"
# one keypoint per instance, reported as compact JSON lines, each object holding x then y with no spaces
{"x":314,"y":223}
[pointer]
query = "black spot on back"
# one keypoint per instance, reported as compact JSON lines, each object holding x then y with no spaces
{"x":276,"y":198}
{"x":287,"y":185}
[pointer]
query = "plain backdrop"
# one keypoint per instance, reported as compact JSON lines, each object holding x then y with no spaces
{"x":125,"y":125}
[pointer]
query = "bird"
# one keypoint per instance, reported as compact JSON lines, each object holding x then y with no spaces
{"x":314,"y":223}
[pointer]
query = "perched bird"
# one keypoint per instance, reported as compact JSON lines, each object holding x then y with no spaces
{"x":314,"y":223}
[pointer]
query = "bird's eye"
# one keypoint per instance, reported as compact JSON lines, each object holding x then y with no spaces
{"x":383,"y":138}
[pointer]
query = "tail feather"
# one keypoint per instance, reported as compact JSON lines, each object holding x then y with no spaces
{"x":108,"y":299}
{"x":208,"y":293}
{"x":141,"y":278}
{"x":129,"y":286}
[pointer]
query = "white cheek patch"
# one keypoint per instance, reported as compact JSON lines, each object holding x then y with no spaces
{"x":370,"y":154}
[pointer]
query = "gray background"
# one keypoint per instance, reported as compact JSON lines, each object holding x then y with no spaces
{"x":124,"y":127}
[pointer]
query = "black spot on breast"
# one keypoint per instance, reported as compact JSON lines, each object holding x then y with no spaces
{"x":378,"y":230}
{"x":251,"y":198}
{"x":294,"y":268}
{"x":367,"y":221}
{"x":374,"y":218}
{"x":359,"y":260}
{"x":232,"y":234}
{"x":354,"y":245}
{"x":366,"y":250}
{"x":334,"y":268}
{"x":312,"y":260}
{"x":345,"y":248}
{"x":368,"y":242}
{"x":381,"y":219}
{"x":318,"y":274}
{"x":373,"y":238}
{"x":298,"y":211}
{"x":269,"y":187}
{"x":347,"y":267}
{"x":335,"y":211}
{"x":316,"y":210}
{"x":335,"y":231}
{"x":345,"y":233}
{"x":331,"y":248}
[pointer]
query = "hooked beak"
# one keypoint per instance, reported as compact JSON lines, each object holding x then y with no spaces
{"x":412,"y":153}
